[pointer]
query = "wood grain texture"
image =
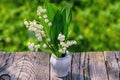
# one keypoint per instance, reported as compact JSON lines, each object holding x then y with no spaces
{"x":25,"y":66}
{"x":36,"y":66}
{"x":69,"y":76}
{"x":75,"y":67}
{"x":82,"y":68}
{"x":118,"y":59}
{"x":97,"y":66}
{"x":42,"y":66}
{"x":28,"y":69}
{"x":17,"y":66}
{"x":86,"y":67}
{"x":112,"y":65}
{"x":6,"y":61}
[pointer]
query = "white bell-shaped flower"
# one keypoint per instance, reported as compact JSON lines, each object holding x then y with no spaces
{"x":61,"y":37}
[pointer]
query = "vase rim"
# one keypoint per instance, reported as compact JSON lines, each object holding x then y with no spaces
{"x":67,"y":54}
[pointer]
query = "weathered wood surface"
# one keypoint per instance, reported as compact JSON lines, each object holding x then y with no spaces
{"x":36,"y":66}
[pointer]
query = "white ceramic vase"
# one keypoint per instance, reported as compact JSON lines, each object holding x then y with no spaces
{"x":60,"y":66}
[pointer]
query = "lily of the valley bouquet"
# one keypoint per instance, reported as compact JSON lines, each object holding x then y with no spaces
{"x":51,"y":29}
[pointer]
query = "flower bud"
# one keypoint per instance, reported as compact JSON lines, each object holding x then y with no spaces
{"x":44,"y":46}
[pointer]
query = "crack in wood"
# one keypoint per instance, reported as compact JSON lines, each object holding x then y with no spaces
{"x":106,"y":64}
{"x":5,"y":62}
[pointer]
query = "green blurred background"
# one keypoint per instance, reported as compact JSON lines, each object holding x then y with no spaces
{"x":95,"y":24}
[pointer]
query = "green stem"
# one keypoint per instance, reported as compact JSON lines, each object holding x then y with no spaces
{"x":48,"y":45}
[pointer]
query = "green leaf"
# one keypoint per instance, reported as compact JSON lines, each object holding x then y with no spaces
{"x":51,"y":10}
{"x":56,"y":28}
{"x":67,"y":16}
{"x":60,"y":24}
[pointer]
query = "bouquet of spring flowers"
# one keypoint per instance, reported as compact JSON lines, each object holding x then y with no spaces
{"x":51,"y":28}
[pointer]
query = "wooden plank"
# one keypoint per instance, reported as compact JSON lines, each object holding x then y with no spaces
{"x":82,"y":60}
{"x":92,"y":66}
{"x":117,"y":55}
{"x":97,"y":66}
{"x":69,"y":76}
{"x":30,"y":66}
{"x":75,"y":66}
{"x":42,"y":66}
{"x":16,"y":67}
{"x":6,"y":60}
{"x":84,"y":67}
{"x":35,"y":66}
{"x":118,"y":59}
{"x":112,"y":66}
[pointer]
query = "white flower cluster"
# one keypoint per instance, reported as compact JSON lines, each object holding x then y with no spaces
{"x":33,"y":47}
{"x":41,"y":12}
{"x":68,"y":43}
{"x":64,"y":45}
{"x":38,"y":28}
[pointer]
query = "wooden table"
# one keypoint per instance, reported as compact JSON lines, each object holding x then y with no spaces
{"x":36,"y":66}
